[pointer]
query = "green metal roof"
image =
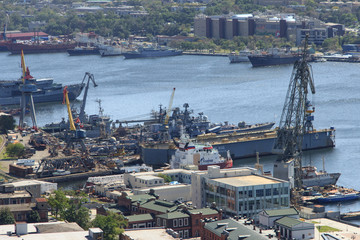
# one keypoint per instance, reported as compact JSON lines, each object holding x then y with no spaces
{"x":159,"y":206}
{"x":281,"y":212}
{"x":204,"y":211}
{"x":140,"y":217}
{"x":288,"y":222}
{"x":235,"y":230}
{"x":173,"y":215}
{"x":142,"y":198}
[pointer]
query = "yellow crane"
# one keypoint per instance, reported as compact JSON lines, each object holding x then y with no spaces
{"x":66,"y":100}
{"x":169,"y":108}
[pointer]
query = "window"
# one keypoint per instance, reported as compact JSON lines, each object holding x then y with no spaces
{"x":275,"y":191}
{"x":180,"y":234}
{"x":159,"y":222}
{"x":149,"y":224}
{"x":164,"y":222}
{"x":268,"y":192}
{"x":186,"y":233}
{"x":250,"y":193}
{"x":181,"y":222}
{"x":260,"y":192}
{"x":175,"y":222}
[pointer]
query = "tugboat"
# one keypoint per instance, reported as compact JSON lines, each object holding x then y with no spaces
{"x":201,"y":155}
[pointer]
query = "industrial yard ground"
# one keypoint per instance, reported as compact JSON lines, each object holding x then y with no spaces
{"x":346,"y":231}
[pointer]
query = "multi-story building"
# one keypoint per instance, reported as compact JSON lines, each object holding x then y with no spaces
{"x":239,"y":191}
{"x":284,"y":25}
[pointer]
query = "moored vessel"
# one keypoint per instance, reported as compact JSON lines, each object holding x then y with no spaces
{"x":274,"y":57}
{"x":238,"y":58}
{"x":77,"y":51}
{"x":338,"y":197}
{"x":311,"y":177}
{"x":46,"y":91}
{"x":34,"y":47}
{"x":151,"y":52}
{"x":201,"y":156}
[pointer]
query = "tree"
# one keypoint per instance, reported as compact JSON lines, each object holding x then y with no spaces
{"x":166,"y":178}
{"x":58,"y":202}
{"x":33,"y":217}
{"x":112,"y":225}
{"x":15,"y":149}
{"x":77,"y":213}
{"x":6,"y":217}
{"x":6,"y":123}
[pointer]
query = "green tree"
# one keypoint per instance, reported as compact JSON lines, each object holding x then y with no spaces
{"x":331,"y":44}
{"x":77,"y":213}
{"x":33,"y":217}
{"x":59,"y":203}
{"x":15,"y":149}
{"x":6,"y":217}
{"x":6,"y":123}
{"x":166,"y":178}
{"x":112,"y":225}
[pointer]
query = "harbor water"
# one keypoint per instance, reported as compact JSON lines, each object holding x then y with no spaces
{"x":130,"y":89}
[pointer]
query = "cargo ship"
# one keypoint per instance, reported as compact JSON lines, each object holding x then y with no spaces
{"x":151,"y":52}
{"x":48,"y":47}
{"x":240,"y":145}
{"x":273,"y":59}
{"x":200,"y":156}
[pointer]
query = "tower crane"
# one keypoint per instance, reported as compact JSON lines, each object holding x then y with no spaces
{"x":83,"y":104}
{"x":294,"y":122}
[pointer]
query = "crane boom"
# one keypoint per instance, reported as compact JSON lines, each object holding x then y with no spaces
{"x":66,"y":100}
{"x":83,"y":104}
{"x":169,"y":108}
{"x":292,"y":122}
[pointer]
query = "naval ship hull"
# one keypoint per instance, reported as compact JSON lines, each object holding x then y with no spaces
{"x":44,"y":96}
{"x":245,"y":146}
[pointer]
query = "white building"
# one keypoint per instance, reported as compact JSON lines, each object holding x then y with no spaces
{"x":268,"y":217}
{"x":291,"y":228}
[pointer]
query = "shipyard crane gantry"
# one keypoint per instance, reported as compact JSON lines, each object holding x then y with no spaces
{"x":83,"y":104}
{"x":293,"y":122}
{"x":168,"y":111}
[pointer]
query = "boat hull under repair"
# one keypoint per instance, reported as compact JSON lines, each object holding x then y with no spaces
{"x":240,"y":145}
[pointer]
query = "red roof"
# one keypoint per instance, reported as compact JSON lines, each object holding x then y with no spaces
{"x":40,"y":200}
{"x":27,"y":34}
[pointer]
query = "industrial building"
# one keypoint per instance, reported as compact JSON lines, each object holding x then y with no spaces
{"x":283,"y":25}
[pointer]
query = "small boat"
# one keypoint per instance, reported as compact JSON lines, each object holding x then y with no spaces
{"x":61,"y":172}
{"x":241,"y":57}
{"x":200,"y":155}
{"x":338,"y":197}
